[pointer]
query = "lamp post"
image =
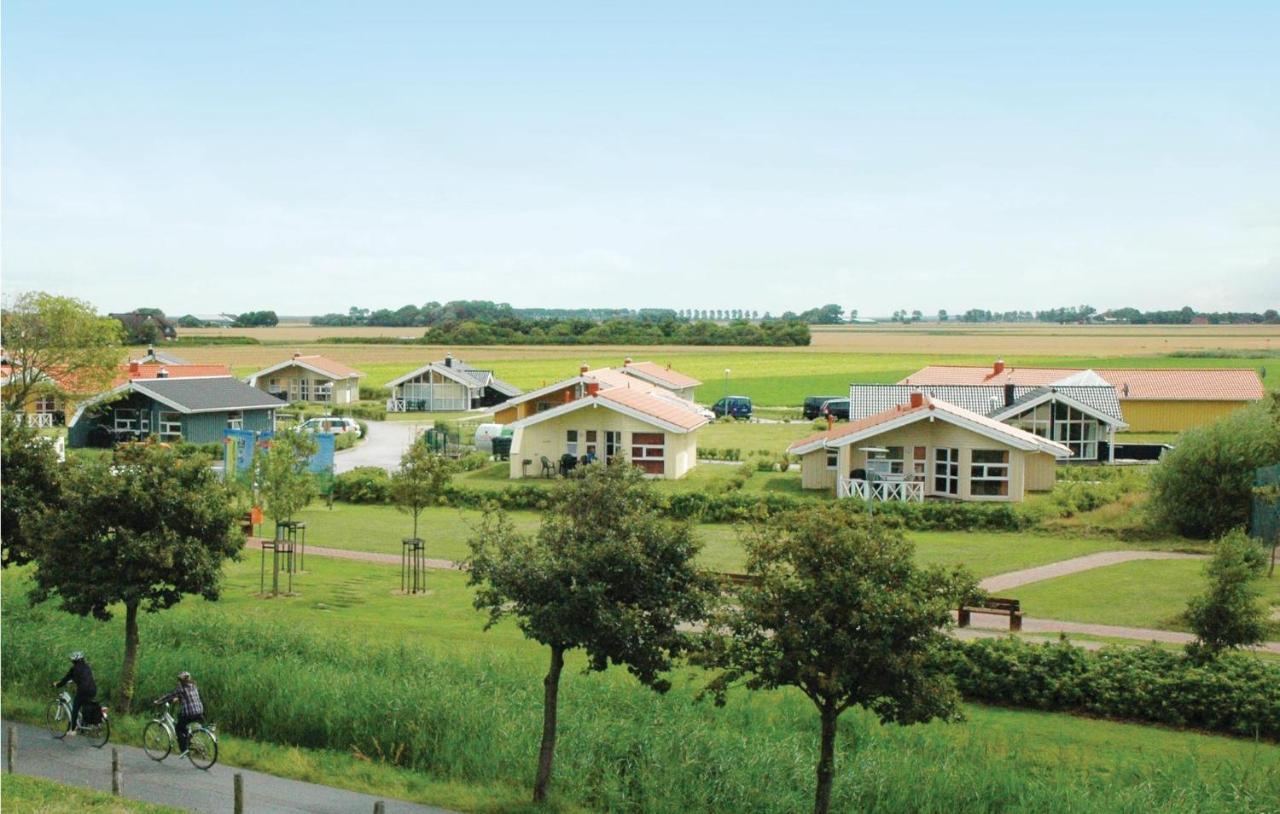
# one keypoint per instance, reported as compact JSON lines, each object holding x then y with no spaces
{"x":871,"y":481}
{"x":726,"y":383}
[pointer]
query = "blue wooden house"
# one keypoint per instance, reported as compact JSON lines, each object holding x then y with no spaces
{"x":193,"y":409}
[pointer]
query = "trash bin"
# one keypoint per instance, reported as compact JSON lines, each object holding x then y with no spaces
{"x":501,"y":448}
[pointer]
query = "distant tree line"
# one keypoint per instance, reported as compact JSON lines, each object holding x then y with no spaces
{"x":619,"y":331}
{"x":1087,"y":313}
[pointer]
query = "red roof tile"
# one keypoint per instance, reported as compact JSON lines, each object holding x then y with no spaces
{"x":664,"y":376}
{"x":671,"y":410}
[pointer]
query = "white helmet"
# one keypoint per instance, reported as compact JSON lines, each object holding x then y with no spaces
{"x":77,"y":656}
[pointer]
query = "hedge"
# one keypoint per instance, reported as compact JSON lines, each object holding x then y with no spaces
{"x":1236,"y":693}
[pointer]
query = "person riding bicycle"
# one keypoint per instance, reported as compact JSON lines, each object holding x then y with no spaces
{"x":81,"y":675}
{"x":190,"y":708}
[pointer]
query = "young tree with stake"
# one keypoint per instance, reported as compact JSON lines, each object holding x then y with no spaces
{"x":143,"y":533}
{"x":422,"y":478}
{"x":840,"y":611}
{"x":285,"y":482}
{"x":606,"y":573}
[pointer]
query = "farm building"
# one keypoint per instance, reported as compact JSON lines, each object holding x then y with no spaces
{"x":597,"y":415}
{"x":1083,"y":414}
{"x":447,"y":385}
{"x":314,"y":379}
{"x":194,"y":409}
{"x":1152,"y":399}
{"x":146,"y":326}
{"x":664,"y":377}
{"x":928,"y":448}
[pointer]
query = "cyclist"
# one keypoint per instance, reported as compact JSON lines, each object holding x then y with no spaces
{"x":86,"y":690}
{"x":190,"y":709}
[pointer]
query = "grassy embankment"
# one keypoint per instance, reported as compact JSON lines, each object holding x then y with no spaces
{"x":370,"y":684}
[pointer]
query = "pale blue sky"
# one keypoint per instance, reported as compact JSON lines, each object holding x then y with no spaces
{"x":308,"y":156}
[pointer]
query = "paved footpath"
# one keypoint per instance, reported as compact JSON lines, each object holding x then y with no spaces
{"x":255,"y":543}
{"x":382,"y":447}
{"x":180,"y":785}
{"x":1014,"y":579}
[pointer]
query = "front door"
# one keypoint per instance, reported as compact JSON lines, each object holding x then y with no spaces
{"x":946,"y":471}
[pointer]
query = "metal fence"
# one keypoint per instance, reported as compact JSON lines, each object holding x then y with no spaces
{"x":1264,"y":520}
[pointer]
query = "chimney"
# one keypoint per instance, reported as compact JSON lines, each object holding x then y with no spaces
{"x":582,"y":371}
{"x":296,"y":354}
{"x":162,"y":373}
{"x":626,"y":361}
{"x":998,"y":367}
{"x":134,"y":368}
{"x":1008,"y":394}
{"x":448,"y":360}
{"x":917,"y":399}
{"x":151,"y":351}
{"x":593,"y":388}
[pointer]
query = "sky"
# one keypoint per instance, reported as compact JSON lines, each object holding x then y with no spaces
{"x":310,"y":156}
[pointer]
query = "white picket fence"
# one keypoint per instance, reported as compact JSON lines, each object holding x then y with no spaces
{"x":905,"y":490}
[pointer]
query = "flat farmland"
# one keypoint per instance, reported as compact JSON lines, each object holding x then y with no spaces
{"x":784,"y":376}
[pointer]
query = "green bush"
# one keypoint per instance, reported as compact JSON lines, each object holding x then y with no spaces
{"x":1203,"y":487}
{"x":344,"y":440}
{"x":373,"y":411}
{"x":365,"y":484}
{"x":371,"y":393}
{"x":473,"y":462}
{"x":719,"y":453}
{"x":1234,"y":693}
{"x":186,"y":450}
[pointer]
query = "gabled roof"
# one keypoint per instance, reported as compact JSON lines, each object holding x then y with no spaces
{"x":1086,"y":399}
{"x":160,"y":357}
{"x":208,"y":394}
{"x":156,"y":370}
{"x":1156,"y":384}
{"x":663,"y":413}
{"x":1098,"y":401}
{"x":316,"y":364}
{"x":659,"y":375}
{"x":929,"y":408}
{"x":463,"y":374}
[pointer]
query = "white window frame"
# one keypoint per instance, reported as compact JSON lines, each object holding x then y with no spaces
{"x":612,"y":443}
{"x":324,"y":391}
{"x":1077,"y":431}
{"x":642,"y":453}
{"x":833,"y":459}
{"x":125,"y":419}
{"x":170,"y":428}
{"x":989,"y":472}
{"x":273,"y":386}
{"x":304,"y":389}
{"x":892,"y":462}
{"x":946,"y":470}
{"x":591,"y":443}
{"x":571,"y":442}
{"x":235,"y":420}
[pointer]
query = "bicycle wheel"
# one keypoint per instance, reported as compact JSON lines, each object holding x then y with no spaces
{"x":98,"y":735}
{"x":202,"y":749}
{"x":156,"y":742}
{"x":55,"y":718}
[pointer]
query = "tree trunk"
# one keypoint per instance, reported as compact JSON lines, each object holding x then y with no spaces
{"x":826,"y":760}
{"x":128,"y":674}
{"x":551,"y":692}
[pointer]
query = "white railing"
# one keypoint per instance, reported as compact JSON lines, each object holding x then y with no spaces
{"x":395,"y":406}
{"x":36,"y":419}
{"x":906,"y":490}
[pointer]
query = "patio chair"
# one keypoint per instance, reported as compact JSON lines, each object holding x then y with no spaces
{"x":548,"y":470}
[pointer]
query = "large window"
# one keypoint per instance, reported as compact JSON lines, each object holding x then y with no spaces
{"x":571,"y":442}
{"x":989,"y":473}
{"x":235,"y":420}
{"x":324,"y":391}
{"x":887,"y":463}
{"x":612,"y":443}
{"x":1076,"y":430}
{"x":1038,"y":420}
{"x":647,"y":451}
{"x":171,"y":426}
{"x":126,"y":420}
{"x":304,"y":389}
{"x":919,"y":462}
{"x":946,"y":471}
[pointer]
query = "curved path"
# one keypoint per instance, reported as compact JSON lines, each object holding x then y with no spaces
{"x":1013,"y":579}
{"x":178,"y":784}
{"x":382,"y":446}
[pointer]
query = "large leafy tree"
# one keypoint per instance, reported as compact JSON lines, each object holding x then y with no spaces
{"x":1230,"y":613}
{"x":606,"y":573}
{"x":839,"y":610}
{"x":420,"y":481}
{"x":32,"y":482}
{"x":57,"y":345}
{"x":282,"y":471}
{"x":1204,"y":486}
{"x":141,"y":533}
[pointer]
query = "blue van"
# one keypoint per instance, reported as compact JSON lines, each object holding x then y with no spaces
{"x":736,"y":406}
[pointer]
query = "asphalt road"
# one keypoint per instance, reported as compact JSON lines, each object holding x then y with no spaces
{"x":179,"y":784}
{"x":382,"y":447}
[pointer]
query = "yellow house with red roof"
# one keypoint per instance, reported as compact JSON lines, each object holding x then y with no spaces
{"x":314,"y":379}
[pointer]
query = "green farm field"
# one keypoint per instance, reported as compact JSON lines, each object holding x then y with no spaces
{"x":350,"y":683}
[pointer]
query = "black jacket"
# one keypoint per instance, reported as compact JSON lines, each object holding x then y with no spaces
{"x":83,"y":678}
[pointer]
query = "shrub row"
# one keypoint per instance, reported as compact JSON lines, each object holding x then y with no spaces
{"x":1236,"y":693}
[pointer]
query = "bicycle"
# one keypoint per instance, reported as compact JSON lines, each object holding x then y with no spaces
{"x":58,"y":715}
{"x":160,"y":735}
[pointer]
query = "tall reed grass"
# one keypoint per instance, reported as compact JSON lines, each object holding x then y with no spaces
{"x":622,"y":748}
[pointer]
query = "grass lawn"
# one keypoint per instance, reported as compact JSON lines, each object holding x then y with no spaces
{"x":1144,"y":593}
{"x":35,"y":795}
{"x":750,"y":436}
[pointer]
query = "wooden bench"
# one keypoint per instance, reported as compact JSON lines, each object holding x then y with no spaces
{"x":995,"y":605}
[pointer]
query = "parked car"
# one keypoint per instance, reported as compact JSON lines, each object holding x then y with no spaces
{"x":330,"y":423}
{"x":736,"y":406}
{"x":813,"y":406}
{"x":837,"y":409}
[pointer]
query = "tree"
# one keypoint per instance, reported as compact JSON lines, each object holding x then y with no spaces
{"x":917,"y":315}
{"x":841,"y":612}
{"x":32,"y":488}
{"x":58,"y":346}
{"x":1203,"y":487}
{"x":285,"y":482}
{"x":1229,"y":613}
{"x":606,"y":573}
{"x":143,"y":533}
{"x":942,"y":315}
{"x":421,"y":479}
